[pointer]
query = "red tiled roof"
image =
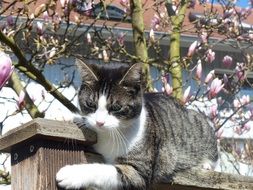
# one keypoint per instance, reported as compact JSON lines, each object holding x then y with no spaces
{"x":148,"y":6}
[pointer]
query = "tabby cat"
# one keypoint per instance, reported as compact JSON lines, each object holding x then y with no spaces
{"x":144,"y":138}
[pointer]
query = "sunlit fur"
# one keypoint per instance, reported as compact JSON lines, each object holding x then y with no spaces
{"x":144,"y":138}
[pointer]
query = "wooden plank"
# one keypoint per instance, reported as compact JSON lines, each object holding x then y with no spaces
{"x":178,"y":187}
{"x":196,"y":179}
{"x":46,"y":129}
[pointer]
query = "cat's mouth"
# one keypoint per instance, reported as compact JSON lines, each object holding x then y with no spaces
{"x":103,"y":127}
{"x":99,"y":125}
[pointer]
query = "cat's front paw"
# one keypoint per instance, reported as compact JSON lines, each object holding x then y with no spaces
{"x":101,"y":176}
{"x":69,"y":177}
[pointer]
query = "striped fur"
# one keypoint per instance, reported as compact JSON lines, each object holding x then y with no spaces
{"x":152,"y":137}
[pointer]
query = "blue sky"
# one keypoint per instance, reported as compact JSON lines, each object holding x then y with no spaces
{"x":241,"y":3}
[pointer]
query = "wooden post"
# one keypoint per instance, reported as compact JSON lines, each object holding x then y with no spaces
{"x":41,"y":147}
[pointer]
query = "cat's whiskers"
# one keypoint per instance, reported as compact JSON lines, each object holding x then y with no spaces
{"x":123,"y":136}
{"x":123,"y":140}
{"x":108,"y":142}
{"x":124,"y":143}
{"x":118,"y":141}
{"x":113,"y":141}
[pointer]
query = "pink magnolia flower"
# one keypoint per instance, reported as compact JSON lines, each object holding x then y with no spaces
{"x":251,"y":34}
{"x":219,"y":133}
{"x":40,"y":28}
{"x":240,"y":71}
{"x":220,"y":101}
{"x":121,"y":38}
{"x":168,"y":89}
{"x":225,"y":79}
{"x":155,"y":90}
{"x":155,"y":22}
{"x":10,"y":20}
{"x":31,"y":16}
{"x":175,"y":8}
{"x":244,"y":128}
{"x":88,"y":37}
{"x":52,"y":52}
{"x":87,"y":8}
{"x":238,"y":130}
{"x":164,"y":79}
{"x":234,"y":1}
{"x":186,"y":96}
{"x":21,"y":100}
{"x":203,"y":37}
{"x":192,"y":48}
{"x":228,"y":13}
{"x":247,"y":126}
{"x":152,"y":35}
{"x":126,"y":6}
{"x":210,"y":56}
{"x":199,"y":70}
{"x":77,"y":19}
{"x":244,"y":12}
{"x":245,"y":99}
{"x":251,"y":112}
{"x":45,"y":16}
{"x":6,"y":68}
{"x":64,"y":2}
{"x":238,"y":150}
{"x":105,"y":56}
{"x":236,"y":103}
{"x":215,"y":88}
{"x":227,"y":61}
{"x":123,"y":2}
{"x":56,"y":19}
{"x":214,"y":111}
{"x":236,"y":24}
{"x":209,"y":76}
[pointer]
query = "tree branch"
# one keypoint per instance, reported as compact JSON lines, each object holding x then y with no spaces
{"x":175,"y":66}
{"x":16,"y":85}
{"x":139,"y":39}
{"x":30,"y":71}
{"x":5,"y":178}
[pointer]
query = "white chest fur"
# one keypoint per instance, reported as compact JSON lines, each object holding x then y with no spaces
{"x":120,"y":140}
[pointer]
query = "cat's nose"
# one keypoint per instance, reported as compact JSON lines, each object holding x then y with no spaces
{"x":100,"y":123}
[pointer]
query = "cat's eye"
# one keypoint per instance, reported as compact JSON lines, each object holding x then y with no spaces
{"x":131,"y":90}
{"x":115,"y":107}
{"x":91,"y":104}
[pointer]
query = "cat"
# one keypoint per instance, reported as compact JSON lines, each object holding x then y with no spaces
{"x":144,"y":138}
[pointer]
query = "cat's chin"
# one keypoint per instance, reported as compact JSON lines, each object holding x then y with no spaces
{"x":104,"y":128}
{"x":99,"y":129}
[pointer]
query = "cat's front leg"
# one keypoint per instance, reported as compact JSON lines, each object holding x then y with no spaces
{"x":102,"y":176}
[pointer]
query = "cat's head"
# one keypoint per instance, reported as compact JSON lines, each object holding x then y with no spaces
{"x":110,"y":95}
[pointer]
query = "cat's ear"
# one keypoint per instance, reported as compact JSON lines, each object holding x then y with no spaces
{"x":86,"y":73}
{"x":133,"y":74}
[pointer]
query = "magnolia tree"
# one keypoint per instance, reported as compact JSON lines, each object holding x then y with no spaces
{"x":36,"y":35}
